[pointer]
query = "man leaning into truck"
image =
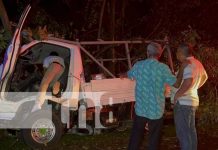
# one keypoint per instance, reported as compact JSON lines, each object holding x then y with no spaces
{"x":151,"y":77}
{"x":53,"y":67}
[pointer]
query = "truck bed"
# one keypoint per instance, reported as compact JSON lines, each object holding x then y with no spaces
{"x":115,"y":91}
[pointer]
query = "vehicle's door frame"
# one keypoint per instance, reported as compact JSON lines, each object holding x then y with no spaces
{"x":74,"y":79}
{"x":11,"y":53}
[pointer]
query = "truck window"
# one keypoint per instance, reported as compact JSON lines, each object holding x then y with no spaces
{"x":28,"y":72}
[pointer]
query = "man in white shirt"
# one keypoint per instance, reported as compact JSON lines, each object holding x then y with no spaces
{"x":186,"y":99}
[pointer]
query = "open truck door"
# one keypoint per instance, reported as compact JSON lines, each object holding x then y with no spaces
{"x":11,"y":53}
{"x":37,"y":129}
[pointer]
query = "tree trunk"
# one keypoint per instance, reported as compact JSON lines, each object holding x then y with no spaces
{"x":123,"y":11}
{"x":101,"y":18}
{"x":4,"y":17}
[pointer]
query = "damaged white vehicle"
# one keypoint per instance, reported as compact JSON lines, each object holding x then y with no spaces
{"x":21,"y":76}
{"x":80,"y":107}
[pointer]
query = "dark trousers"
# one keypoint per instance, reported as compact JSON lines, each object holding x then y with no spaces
{"x":137,"y":133}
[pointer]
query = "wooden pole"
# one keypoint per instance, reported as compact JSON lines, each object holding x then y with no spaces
{"x":128,"y":55}
{"x":100,"y":19}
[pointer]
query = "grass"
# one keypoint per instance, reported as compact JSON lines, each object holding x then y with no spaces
{"x":112,"y":140}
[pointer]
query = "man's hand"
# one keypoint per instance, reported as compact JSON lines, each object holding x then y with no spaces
{"x":175,"y":99}
{"x":180,"y":73}
{"x":186,"y":85}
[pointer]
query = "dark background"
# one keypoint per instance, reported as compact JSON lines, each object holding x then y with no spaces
{"x":142,"y":18}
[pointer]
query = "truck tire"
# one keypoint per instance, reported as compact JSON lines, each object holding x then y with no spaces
{"x":42,"y":131}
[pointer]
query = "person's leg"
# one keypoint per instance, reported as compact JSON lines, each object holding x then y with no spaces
{"x":154,"y":131}
{"x":137,"y":133}
{"x":193,"y":129}
{"x":182,"y":117}
{"x":50,"y":75}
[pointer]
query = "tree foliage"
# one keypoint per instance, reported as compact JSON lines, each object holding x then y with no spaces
{"x":4,"y":39}
{"x":4,"y":17}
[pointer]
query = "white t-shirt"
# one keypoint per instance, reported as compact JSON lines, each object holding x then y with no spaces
{"x":196,"y":71}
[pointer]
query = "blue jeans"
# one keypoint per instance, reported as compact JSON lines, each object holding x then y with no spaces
{"x":184,"y":117}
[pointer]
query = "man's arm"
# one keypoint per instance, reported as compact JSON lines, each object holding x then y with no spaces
{"x":132,"y":73}
{"x":169,"y":78}
{"x":178,"y":79}
{"x":180,"y":73}
{"x":186,"y":85}
{"x":203,"y":79}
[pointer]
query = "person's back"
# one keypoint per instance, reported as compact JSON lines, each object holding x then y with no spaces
{"x":151,"y":77}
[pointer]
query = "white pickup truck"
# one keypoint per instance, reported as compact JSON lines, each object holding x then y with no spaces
{"x":37,"y":129}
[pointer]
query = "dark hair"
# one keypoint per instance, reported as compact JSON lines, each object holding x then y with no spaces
{"x":53,"y":54}
{"x":186,"y":49}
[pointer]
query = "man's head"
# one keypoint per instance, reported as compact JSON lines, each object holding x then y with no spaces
{"x":184,"y":51}
{"x":154,"y":50}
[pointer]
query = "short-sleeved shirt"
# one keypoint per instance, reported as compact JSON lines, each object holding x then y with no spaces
{"x":196,"y":71}
{"x":151,"y":77}
{"x":51,"y":59}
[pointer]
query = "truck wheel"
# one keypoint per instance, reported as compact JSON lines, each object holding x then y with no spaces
{"x":42,"y":131}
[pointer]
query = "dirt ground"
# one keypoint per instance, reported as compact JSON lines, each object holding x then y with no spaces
{"x":114,"y":140}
